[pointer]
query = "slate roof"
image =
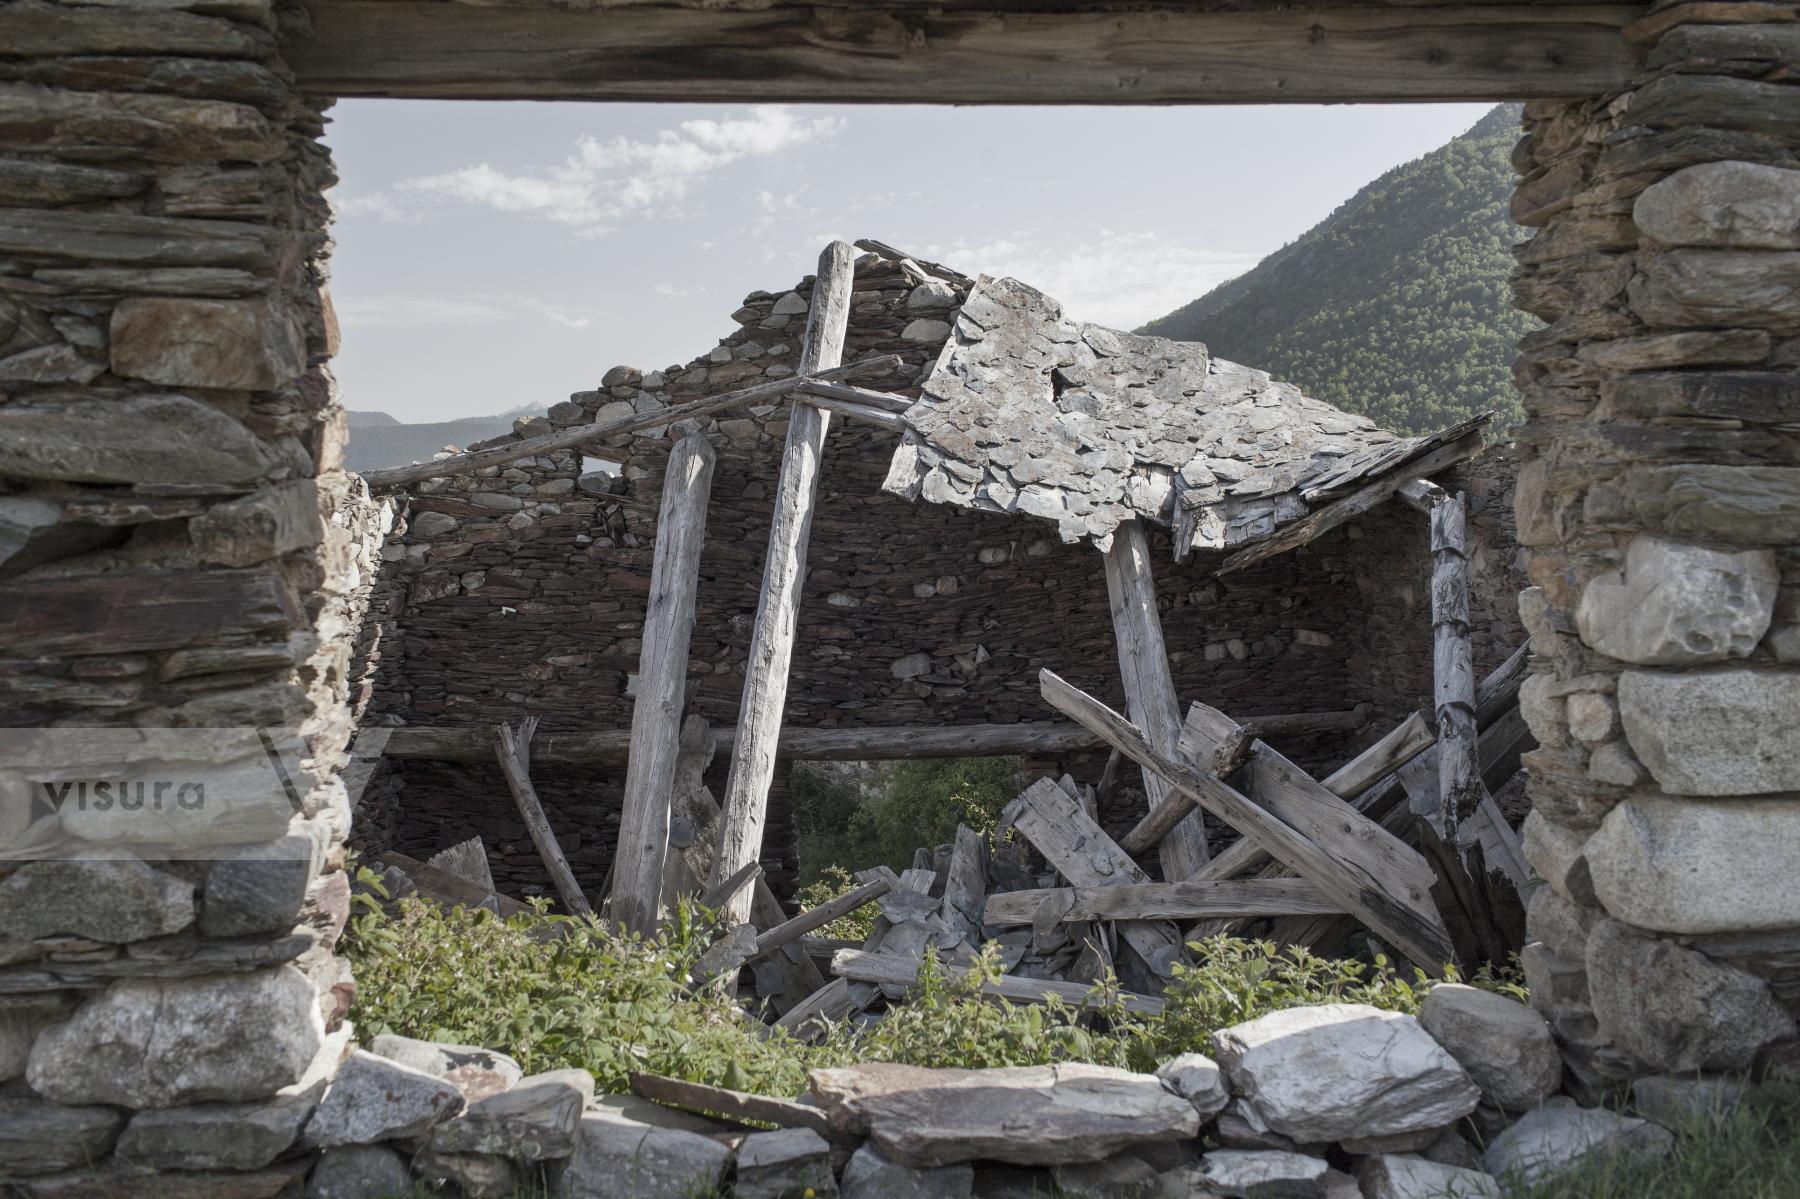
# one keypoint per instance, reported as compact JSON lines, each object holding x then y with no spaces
{"x":1029,"y":411}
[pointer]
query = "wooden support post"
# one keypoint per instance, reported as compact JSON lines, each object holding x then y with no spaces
{"x":1460,"y":790}
{"x":514,"y":752}
{"x":784,"y":571}
{"x":662,"y":674}
{"x":1149,"y":688}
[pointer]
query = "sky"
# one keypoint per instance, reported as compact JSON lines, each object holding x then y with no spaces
{"x":493,"y":255}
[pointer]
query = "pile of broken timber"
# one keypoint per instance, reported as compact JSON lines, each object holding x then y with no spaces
{"x":1319,"y":859}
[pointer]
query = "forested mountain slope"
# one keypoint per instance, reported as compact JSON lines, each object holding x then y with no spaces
{"x":1397,"y":305}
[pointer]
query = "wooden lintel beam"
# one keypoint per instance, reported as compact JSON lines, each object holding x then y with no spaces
{"x":874,"y":743}
{"x":1162,"y":901}
{"x":964,"y":51}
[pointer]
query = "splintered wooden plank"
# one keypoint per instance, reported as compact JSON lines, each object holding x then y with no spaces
{"x":819,"y":917}
{"x":1298,"y":799}
{"x":856,"y":965}
{"x":965,"y":884}
{"x":1420,"y":937}
{"x":1163,"y":901}
{"x":771,"y":647}
{"x":514,"y":753}
{"x":1463,"y":441}
{"x":1052,"y":820}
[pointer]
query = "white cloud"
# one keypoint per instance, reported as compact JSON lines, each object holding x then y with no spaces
{"x":1110,"y":278}
{"x":395,"y":311}
{"x":603,"y":182}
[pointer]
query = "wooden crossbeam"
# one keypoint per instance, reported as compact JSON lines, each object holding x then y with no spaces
{"x":858,"y":966}
{"x":1162,"y":901}
{"x":562,"y":439}
{"x":869,"y":743}
{"x":1377,"y":902}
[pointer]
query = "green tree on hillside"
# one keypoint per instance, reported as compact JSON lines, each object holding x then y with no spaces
{"x":1398,"y":305}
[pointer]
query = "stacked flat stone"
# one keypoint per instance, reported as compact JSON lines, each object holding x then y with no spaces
{"x":1661,"y":513}
{"x":521,"y":589}
{"x":179,"y":550}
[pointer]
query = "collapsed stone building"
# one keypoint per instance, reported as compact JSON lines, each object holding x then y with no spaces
{"x":182,"y":549}
{"x":520,"y":589}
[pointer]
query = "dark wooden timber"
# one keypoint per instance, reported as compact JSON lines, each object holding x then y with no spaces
{"x":964,"y":51}
{"x":876,"y":743}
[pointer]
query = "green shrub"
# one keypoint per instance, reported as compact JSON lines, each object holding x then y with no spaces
{"x":833,"y":881}
{"x":920,"y":803}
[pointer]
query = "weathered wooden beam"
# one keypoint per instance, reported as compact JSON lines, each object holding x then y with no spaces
{"x":1150,"y":688}
{"x":1460,"y":442}
{"x":1079,"y":850}
{"x":563,"y":439}
{"x":443,"y":886}
{"x":1412,"y":932}
{"x":858,"y":966}
{"x":662,"y":680}
{"x":784,"y":571}
{"x":1175,"y":807}
{"x":792,"y":930}
{"x":887,"y":401}
{"x":924,"y":264}
{"x":514,"y":752}
{"x":1238,"y":899}
{"x":717,"y":897}
{"x":876,"y":743}
{"x":990,"y":52}
{"x":867,"y":413}
{"x":1460,"y":790}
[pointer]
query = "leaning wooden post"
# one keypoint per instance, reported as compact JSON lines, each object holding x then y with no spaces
{"x":1149,"y":688}
{"x":784,"y":571}
{"x":662,"y":673}
{"x":1460,"y":790}
{"x":514,"y":752}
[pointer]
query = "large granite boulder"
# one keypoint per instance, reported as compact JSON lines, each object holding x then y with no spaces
{"x":42,"y":1138}
{"x":788,"y":1163}
{"x":1506,"y":1047}
{"x":1028,"y":1115}
{"x":157,"y":1042}
{"x":375,"y":1099}
{"x":1715,"y":732}
{"x":622,"y":1159}
{"x":474,"y":1071}
{"x":359,"y":1172}
{"x":1559,"y":1136}
{"x":1197,"y":1079}
{"x":99,"y":898}
{"x":214,"y":1136}
{"x":1739,"y":204}
{"x":535,"y":1121}
{"x":258,"y":888}
{"x":869,"y":1175}
{"x":243,"y":345}
{"x":1391,"y":1176}
{"x":1341,"y":1071}
{"x":1698,"y":866}
{"x":1674,"y":604}
{"x":1675,"y":1008}
{"x":1255,"y":1173}
{"x":22,"y":1018}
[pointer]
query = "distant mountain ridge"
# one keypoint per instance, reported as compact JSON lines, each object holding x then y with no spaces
{"x":1398,"y":305}
{"x":379,"y":440}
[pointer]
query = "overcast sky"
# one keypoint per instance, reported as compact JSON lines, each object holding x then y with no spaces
{"x":491,"y":255}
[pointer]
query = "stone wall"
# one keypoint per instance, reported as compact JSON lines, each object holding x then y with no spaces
{"x":179,"y":552}
{"x":521,"y":588}
{"x":1660,"y":509}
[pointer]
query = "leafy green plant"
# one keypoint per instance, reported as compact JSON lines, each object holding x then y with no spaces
{"x":834,"y":881}
{"x":918,"y":803}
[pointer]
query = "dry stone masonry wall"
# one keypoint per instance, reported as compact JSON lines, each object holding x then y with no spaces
{"x":520,"y":589}
{"x":179,"y":551}
{"x":1661,"y":513}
